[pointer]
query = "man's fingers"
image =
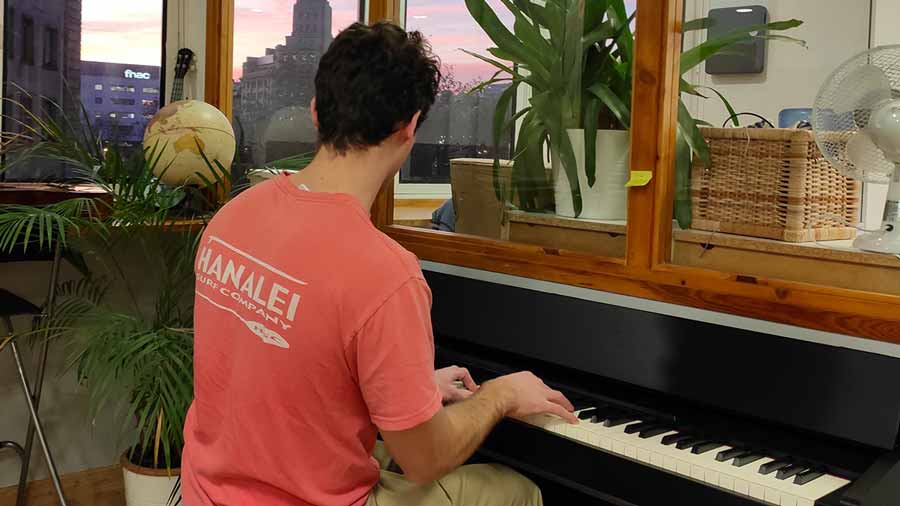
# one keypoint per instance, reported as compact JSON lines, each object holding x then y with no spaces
{"x":463,"y":394}
{"x":467,"y":380}
{"x":557,"y":397}
{"x":562,"y":412}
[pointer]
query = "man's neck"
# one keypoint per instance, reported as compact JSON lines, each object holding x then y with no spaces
{"x":359,"y":174}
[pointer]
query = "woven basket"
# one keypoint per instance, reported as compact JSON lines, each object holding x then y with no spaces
{"x":772,"y":183}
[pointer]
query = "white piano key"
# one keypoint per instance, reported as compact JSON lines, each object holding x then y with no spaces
{"x":726,"y":482}
{"x":697,"y":472}
{"x":816,"y":489}
{"x":760,"y":486}
{"x":745,"y":480}
{"x":757,"y":491}
{"x":788,"y":500}
{"x":642,"y":454}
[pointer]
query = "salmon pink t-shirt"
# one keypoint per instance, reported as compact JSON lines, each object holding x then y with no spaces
{"x":312,"y":331}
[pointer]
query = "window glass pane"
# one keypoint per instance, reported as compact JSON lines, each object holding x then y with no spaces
{"x":61,"y":55}
{"x":768,"y":203}
{"x":277,"y":46}
{"x":533,"y":199}
{"x":459,"y":123}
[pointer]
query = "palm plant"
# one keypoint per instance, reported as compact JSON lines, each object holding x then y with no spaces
{"x":577,"y":56}
{"x":135,"y":363}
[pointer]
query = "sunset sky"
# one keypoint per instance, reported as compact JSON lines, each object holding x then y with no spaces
{"x":108,"y":26}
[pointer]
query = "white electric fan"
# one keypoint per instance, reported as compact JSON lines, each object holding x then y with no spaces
{"x":856,"y":119}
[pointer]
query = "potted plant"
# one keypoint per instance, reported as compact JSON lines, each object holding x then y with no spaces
{"x":132,"y":351}
{"x":577,"y":58}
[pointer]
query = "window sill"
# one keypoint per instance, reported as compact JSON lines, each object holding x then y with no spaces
{"x":827,"y":263}
{"x":415,"y":212}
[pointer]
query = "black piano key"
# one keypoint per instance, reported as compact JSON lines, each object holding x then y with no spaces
{"x":637,"y":427}
{"x":726,"y":455}
{"x":808,"y":476}
{"x":581,"y":403}
{"x":675,"y":438}
{"x":775,"y":465}
{"x":603,"y":413}
{"x":689,"y":442}
{"x":790,"y":471}
{"x":746,"y":458}
{"x":702,"y":448}
{"x":653,"y":432}
{"x":587,"y":414}
{"x":620,"y":419}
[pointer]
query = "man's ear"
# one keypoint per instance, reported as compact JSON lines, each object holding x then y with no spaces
{"x":409,"y":131}
{"x":314,"y":113}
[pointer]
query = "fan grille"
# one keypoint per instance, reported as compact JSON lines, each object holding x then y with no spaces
{"x":844,"y":105}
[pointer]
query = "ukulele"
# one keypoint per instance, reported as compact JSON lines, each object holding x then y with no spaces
{"x":182,"y":64}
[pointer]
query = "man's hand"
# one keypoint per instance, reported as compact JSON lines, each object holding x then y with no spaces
{"x":527,"y":395}
{"x":449,"y":380}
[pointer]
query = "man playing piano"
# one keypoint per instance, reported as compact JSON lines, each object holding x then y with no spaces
{"x":313,"y":329}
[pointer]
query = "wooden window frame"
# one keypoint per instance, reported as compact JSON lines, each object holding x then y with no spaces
{"x":645,"y":271}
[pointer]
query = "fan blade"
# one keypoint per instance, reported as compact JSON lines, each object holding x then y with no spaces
{"x":884,"y":129}
{"x":864,"y":156}
{"x":860,"y":91}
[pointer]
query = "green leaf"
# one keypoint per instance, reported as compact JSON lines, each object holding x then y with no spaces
{"x":683,"y":204}
{"x":687,"y":129}
{"x":593,"y":14}
{"x":696,"y":24}
{"x":530,"y":35}
{"x":690,"y":89}
{"x":697,"y":55}
{"x":621,"y":20}
{"x":731,"y":112}
{"x":572,"y":62}
{"x":591,"y":117}
{"x":501,"y":112}
{"x":620,"y":110}
{"x":505,"y":40}
{"x":502,"y":66}
{"x":604,"y":32}
{"x":551,"y":17}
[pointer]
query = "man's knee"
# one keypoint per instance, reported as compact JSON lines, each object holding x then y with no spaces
{"x":522,"y":491}
{"x":501,"y":484}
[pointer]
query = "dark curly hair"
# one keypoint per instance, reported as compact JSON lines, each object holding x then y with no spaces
{"x":372,"y":80}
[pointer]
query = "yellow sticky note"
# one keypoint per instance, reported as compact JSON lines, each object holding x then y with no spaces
{"x":639,"y":178}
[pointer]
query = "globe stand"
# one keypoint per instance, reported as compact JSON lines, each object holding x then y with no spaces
{"x":886,"y":240}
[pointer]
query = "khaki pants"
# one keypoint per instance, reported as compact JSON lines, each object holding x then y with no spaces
{"x":474,"y":485}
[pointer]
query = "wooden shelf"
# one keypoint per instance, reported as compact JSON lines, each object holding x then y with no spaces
{"x":830,"y":263}
{"x":415,"y":212}
{"x":602,"y":238}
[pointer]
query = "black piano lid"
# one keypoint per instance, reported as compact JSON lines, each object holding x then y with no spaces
{"x":839,"y":392}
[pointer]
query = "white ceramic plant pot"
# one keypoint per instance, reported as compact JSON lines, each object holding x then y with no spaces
{"x":608,"y":198}
{"x":148,"y":487}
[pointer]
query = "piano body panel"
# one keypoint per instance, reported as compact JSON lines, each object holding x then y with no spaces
{"x":837,"y":392}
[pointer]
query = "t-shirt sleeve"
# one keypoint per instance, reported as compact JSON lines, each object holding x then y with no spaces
{"x":395,"y":360}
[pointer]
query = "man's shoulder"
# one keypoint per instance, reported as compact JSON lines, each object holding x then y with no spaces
{"x":400,"y":263}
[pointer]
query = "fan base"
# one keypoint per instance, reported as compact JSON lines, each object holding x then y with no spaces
{"x":883,"y":241}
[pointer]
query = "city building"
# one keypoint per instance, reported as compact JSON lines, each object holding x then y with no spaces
{"x":42,"y":40}
{"x":120,"y":99}
{"x":282,"y":80}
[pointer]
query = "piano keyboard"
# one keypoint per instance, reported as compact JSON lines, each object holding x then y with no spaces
{"x":736,"y":470}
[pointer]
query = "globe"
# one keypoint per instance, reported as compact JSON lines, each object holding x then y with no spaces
{"x":179,"y":133}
